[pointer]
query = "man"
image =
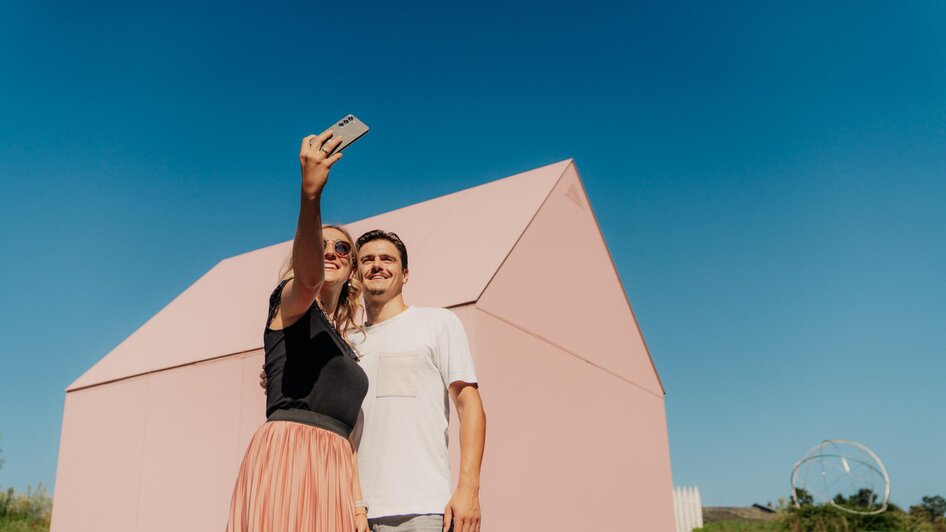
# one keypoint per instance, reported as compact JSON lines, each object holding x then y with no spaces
{"x":415,"y":358}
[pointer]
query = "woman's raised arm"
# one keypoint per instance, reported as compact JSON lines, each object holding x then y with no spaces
{"x":307,"y":247}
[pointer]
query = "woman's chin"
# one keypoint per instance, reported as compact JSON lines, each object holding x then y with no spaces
{"x":335,"y":278}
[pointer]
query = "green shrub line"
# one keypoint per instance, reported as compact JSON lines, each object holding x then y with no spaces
{"x":928,"y":516}
{"x":25,"y":512}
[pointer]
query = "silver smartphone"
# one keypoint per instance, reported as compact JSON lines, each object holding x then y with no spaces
{"x":350,"y":129}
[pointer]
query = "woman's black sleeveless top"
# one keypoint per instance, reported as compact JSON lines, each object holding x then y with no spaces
{"x":310,"y":367}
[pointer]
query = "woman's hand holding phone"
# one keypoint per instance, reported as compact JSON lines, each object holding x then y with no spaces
{"x":316,"y":159}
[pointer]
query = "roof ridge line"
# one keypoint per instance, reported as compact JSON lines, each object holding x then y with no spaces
{"x":455,"y":192}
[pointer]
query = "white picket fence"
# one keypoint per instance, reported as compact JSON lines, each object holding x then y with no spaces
{"x":687,"y":508}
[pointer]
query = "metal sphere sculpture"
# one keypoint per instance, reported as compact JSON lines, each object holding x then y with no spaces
{"x":844,"y":474}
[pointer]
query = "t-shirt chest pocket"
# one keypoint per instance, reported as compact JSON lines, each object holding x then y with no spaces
{"x":397,"y":374}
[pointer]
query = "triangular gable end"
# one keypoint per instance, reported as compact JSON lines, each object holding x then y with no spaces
{"x":560,"y":284}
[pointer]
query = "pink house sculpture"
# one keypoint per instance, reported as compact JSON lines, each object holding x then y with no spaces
{"x":153,"y":434}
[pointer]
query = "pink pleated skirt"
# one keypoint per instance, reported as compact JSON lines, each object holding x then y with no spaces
{"x":294,"y":477}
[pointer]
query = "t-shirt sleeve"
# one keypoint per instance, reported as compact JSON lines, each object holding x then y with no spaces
{"x":453,"y":351}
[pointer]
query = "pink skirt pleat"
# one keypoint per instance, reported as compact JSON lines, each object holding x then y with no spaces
{"x":294,"y":478}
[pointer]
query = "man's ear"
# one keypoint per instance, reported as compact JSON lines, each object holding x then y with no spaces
{"x":405,"y":274}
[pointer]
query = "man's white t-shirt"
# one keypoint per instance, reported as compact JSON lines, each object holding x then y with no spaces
{"x":410,"y":359}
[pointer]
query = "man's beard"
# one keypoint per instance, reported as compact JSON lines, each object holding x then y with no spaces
{"x":375,"y":291}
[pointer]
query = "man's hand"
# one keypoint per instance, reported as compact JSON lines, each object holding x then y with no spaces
{"x":262,"y":380}
{"x":463,"y":511}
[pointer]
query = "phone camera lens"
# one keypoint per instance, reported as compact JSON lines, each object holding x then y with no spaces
{"x":341,"y":124}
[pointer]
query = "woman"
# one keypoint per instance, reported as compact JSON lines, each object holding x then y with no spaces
{"x":300,"y":471}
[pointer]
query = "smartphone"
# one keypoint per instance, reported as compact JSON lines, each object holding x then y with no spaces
{"x":350,"y":129}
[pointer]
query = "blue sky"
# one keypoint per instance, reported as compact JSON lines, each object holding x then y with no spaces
{"x":770,"y":179}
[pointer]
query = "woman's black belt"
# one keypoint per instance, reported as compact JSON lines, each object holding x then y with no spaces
{"x":315,"y":419}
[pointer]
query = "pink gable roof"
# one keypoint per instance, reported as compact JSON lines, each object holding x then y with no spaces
{"x":456,"y":242}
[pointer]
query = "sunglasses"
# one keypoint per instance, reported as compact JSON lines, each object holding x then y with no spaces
{"x":342,"y":248}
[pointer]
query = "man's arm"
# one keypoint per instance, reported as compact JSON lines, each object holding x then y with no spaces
{"x":463,"y":510}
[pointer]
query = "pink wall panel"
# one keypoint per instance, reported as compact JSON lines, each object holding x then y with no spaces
{"x":641,"y":467}
{"x":158,"y":452}
{"x":580,"y":448}
{"x":252,"y":400}
{"x":513,"y":475}
{"x":99,"y":471}
{"x":191,"y":454}
{"x":467,"y":315}
{"x":559,"y":283}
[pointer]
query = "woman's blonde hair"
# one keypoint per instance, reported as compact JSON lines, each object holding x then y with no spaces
{"x":349,"y":306}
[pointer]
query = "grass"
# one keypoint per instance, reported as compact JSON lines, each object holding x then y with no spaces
{"x":22,"y":525}
{"x":739,"y":525}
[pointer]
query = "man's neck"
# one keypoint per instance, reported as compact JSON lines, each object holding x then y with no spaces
{"x":378,"y":311}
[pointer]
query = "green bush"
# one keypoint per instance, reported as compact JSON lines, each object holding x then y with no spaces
{"x":25,"y":512}
{"x":925,"y":517}
{"x":826,"y":518}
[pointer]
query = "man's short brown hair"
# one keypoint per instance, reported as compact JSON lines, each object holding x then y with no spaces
{"x":378,"y":234}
